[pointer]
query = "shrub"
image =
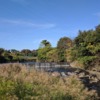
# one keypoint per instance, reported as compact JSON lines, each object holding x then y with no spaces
{"x":16,"y":83}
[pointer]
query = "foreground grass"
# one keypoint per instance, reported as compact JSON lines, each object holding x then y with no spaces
{"x":18,"y":84}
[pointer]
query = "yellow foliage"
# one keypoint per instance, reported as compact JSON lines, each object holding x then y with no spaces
{"x":81,"y":43}
{"x":68,"y":50}
{"x":68,"y":44}
{"x":89,"y":46}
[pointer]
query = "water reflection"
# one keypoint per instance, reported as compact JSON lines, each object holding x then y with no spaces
{"x":58,"y":67}
{"x":47,"y":67}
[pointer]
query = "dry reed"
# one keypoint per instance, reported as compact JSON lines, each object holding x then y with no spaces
{"x":40,"y":86}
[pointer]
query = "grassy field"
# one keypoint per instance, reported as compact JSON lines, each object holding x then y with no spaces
{"x":16,"y":83}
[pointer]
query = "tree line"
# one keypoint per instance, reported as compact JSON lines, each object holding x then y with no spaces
{"x":14,"y":55}
{"x":85,"y":48}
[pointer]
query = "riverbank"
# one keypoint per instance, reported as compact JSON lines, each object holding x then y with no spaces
{"x":17,"y":59}
{"x":19,"y":84}
{"x":92,"y":82}
{"x":93,"y":72}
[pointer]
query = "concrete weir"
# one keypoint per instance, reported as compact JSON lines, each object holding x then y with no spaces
{"x":62,"y":65}
{"x":50,"y":65}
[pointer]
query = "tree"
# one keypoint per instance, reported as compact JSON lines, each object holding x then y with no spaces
{"x":7,"y":56}
{"x":45,"y":46}
{"x":30,"y":54}
{"x":35,"y":52}
{"x":45,"y":43}
{"x":42,"y":53}
{"x":19,"y":54}
{"x":63,"y":44}
{"x":52,"y":55}
{"x":2,"y":59}
{"x":26,"y":52}
{"x":13,"y":50}
{"x":1,"y":50}
{"x":98,"y":33}
{"x":8,"y":51}
{"x":88,"y":47}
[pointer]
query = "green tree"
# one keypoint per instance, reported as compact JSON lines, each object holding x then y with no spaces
{"x":26,"y":52}
{"x":52,"y":55}
{"x":88,"y":47}
{"x":7,"y":56}
{"x":44,"y":47}
{"x":45,"y":43}
{"x":42,"y":53}
{"x":35,"y":53}
{"x":19,"y":54}
{"x":1,"y":50}
{"x":13,"y":50}
{"x":30,"y":54}
{"x":63,"y":44}
{"x":97,"y":33}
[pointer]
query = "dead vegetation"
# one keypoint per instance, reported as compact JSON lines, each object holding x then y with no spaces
{"x":16,"y":83}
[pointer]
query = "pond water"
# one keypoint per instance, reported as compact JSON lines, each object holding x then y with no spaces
{"x":48,"y":67}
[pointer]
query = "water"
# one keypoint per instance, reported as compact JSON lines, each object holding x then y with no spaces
{"x":58,"y":67}
{"x":48,"y":67}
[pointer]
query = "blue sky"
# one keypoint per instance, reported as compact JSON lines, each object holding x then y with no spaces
{"x":25,"y":23}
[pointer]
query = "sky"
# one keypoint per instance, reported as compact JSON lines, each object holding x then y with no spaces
{"x":25,"y":23}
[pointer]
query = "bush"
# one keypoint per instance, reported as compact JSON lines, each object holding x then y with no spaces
{"x":21,"y":59}
{"x":16,"y":83}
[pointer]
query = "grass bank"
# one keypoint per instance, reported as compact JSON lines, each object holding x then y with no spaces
{"x":18,"y":84}
{"x":14,"y":58}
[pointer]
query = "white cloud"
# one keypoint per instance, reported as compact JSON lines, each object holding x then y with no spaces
{"x":98,"y":14}
{"x":47,"y":25}
{"x":35,"y":41}
{"x":26,"y":23}
{"x":38,"y":40}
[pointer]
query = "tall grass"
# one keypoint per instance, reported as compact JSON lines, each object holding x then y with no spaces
{"x":16,"y":83}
